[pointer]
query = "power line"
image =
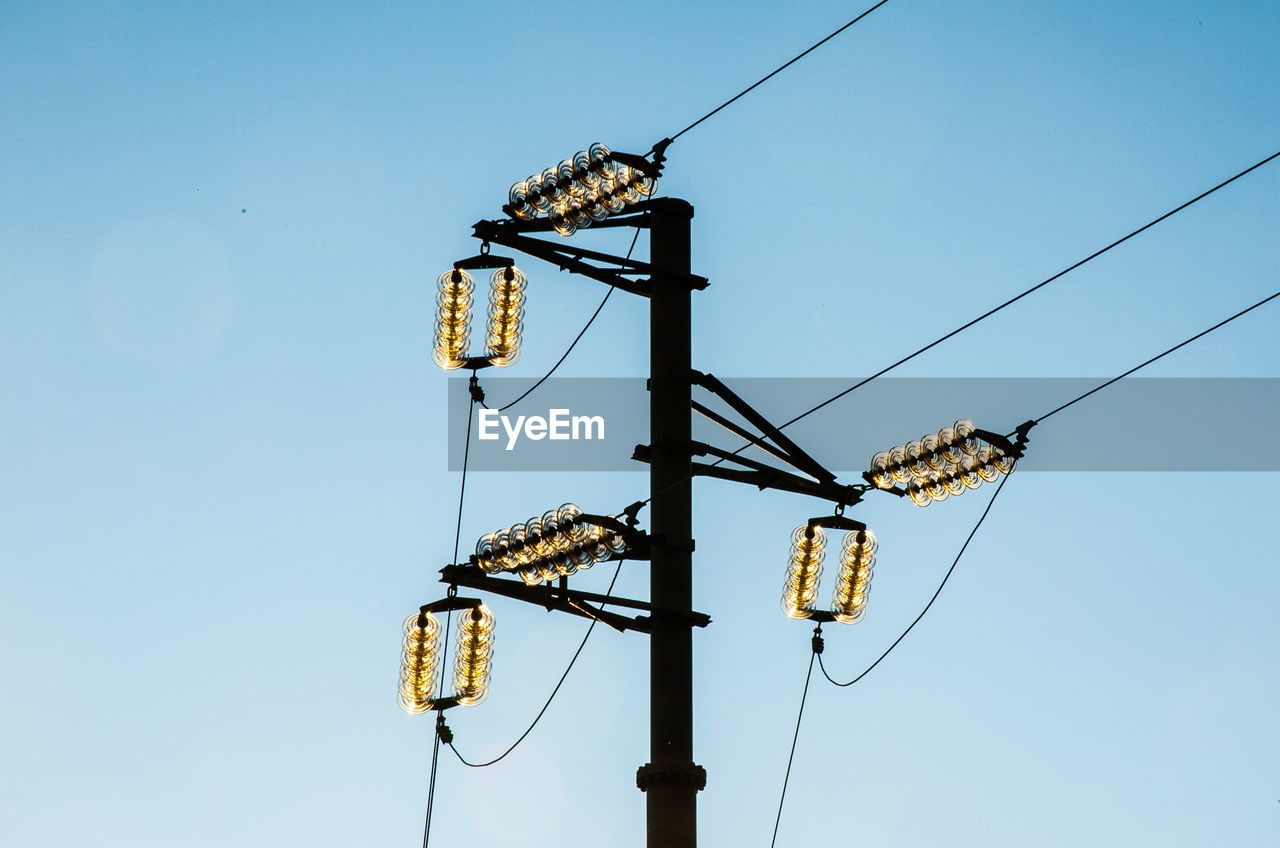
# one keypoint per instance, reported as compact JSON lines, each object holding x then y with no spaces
{"x":1181,"y":344}
{"x":786,"y":778}
{"x":550,"y":697}
{"x":994,"y":310}
{"x":938,"y":592}
{"x":1020,"y":296}
{"x":575,"y":341}
{"x":457,"y":538}
{"x":778,"y":70}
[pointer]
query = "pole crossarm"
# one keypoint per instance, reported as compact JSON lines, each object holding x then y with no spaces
{"x":787,"y":450}
{"x":560,"y":598}
{"x":573,"y":259}
{"x":762,"y":476}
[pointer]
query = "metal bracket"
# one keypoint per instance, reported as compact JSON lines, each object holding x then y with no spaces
{"x":562,"y":599}
{"x":572,"y":259}
{"x":787,"y":450}
{"x":687,"y":773}
{"x":761,"y":476}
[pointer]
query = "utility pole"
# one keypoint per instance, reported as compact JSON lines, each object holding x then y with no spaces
{"x":607,"y":188}
{"x":670,"y":780}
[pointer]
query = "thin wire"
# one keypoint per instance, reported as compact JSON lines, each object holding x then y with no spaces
{"x":457,"y":538}
{"x":550,"y":698}
{"x":1019,"y":297}
{"x":945,"y":578}
{"x":778,"y":70}
{"x":576,"y":339}
{"x":808,"y":675}
{"x":1102,"y":386}
{"x":431,"y":791}
{"x":994,"y":310}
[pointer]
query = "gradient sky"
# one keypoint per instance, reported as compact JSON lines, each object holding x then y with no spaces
{"x":223,"y":479}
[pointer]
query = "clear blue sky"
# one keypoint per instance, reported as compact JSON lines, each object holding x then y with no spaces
{"x":223,"y":477}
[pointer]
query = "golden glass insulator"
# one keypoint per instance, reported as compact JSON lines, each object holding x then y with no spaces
{"x":520,"y":548}
{"x":453,"y":309}
{"x":582,"y":172}
{"x":624,"y":178}
{"x":968,"y":472}
{"x":486,"y":556}
{"x":571,"y":527}
{"x":418,"y":662}
{"x":475,"y":653}
{"x":879,"y":471}
{"x":502,"y":554}
{"x":580,"y":216}
{"x":860,"y":545}
{"x":547,"y":570}
{"x":533,"y":192}
{"x":564,"y":564}
{"x":965,"y":439}
{"x":918,"y":495}
{"x":953,"y":484}
{"x":897,"y":465}
{"x":518,"y":200}
{"x":533,"y":538}
{"x":506,"y":312}
{"x":986,"y":466}
{"x":642,"y":183}
{"x":933,"y":453}
{"x":596,"y":545}
{"x":551,"y":529}
{"x":529,"y":574}
{"x":613,"y":201}
{"x":568,"y":178}
{"x":915,"y":463}
{"x":935,"y":490}
{"x":617,"y":542}
{"x":453,"y":318}
{"x":853,"y":580}
{"x":561,"y":224}
{"x":948,"y":448}
{"x":1005,"y":464}
{"x":596,"y":208}
{"x":800,"y":590}
{"x":601,"y":161}
{"x":549,"y":186}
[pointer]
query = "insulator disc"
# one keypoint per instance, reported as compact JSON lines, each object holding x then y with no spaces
{"x":965,"y":439}
{"x":897,"y":465}
{"x":582,"y":171}
{"x":518,"y":200}
{"x":569,"y":179}
{"x":879,"y":473}
{"x":1005,"y":464}
{"x":563,"y":225}
{"x":534,"y":193}
{"x":916,"y":466}
{"x":918,"y":495}
{"x":601,"y":161}
{"x":932,"y":456}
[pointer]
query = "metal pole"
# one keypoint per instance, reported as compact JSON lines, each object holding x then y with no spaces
{"x":670,"y":780}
